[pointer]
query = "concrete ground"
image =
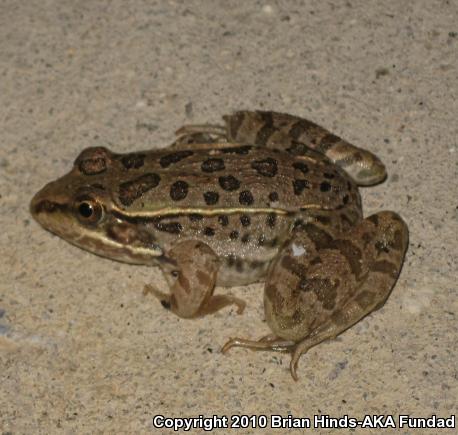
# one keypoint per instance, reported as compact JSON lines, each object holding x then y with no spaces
{"x":82,"y":350}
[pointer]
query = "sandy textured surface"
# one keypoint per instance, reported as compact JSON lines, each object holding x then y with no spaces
{"x":82,"y":350}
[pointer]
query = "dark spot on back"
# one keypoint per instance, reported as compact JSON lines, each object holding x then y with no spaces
{"x":301,"y":166}
{"x":345,"y":199}
{"x":211,"y":198}
{"x":266,"y":167}
{"x":223,"y":220}
{"x":208,"y":231}
{"x":273,"y":196}
{"x":328,"y":175}
{"x":246,"y":197}
{"x":325,"y":186}
{"x":245,"y":220}
{"x":133,"y":160}
{"x":271,"y":219}
{"x":212,"y":165}
{"x":229,"y":183}
{"x":300,"y":185}
{"x":234,"y":235}
{"x":179,"y":190}
{"x":169,"y":159}
{"x":131,"y":190}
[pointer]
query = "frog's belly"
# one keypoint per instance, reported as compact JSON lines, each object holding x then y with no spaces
{"x":241,"y":272}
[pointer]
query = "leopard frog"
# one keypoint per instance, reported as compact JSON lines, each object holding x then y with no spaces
{"x":265,"y":197}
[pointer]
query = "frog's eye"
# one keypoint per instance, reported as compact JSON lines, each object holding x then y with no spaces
{"x":88,"y":210}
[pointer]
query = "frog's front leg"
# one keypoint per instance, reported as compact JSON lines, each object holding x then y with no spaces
{"x":191,"y":270}
{"x":321,"y":285}
{"x":191,"y":134}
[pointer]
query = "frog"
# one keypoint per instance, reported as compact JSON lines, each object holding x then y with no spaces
{"x":263,"y":197}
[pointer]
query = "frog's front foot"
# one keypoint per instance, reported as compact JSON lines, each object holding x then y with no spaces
{"x":191,"y":270}
{"x":199,"y":133}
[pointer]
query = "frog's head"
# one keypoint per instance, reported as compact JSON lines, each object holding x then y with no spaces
{"x":79,"y":207}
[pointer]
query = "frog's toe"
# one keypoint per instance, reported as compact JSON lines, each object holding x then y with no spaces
{"x":265,"y":343}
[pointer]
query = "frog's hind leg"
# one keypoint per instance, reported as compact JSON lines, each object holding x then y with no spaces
{"x":299,"y":136}
{"x":320,"y":284}
{"x":268,"y":342}
{"x":386,"y":238}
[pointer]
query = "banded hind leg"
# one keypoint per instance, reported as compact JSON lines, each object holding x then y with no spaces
{"x":293,"y":134}
{"x":320,"y":284}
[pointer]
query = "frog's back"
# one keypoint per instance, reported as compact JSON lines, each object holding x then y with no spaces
{"x":229,"y":177}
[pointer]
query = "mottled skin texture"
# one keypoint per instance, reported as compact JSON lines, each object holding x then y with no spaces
{"x":267,"y":197}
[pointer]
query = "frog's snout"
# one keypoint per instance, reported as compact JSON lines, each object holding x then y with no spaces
{"x":47,"y":203}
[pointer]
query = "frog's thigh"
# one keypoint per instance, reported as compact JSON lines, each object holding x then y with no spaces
{"x":351,"y":276}
{"x":192,"y":281}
